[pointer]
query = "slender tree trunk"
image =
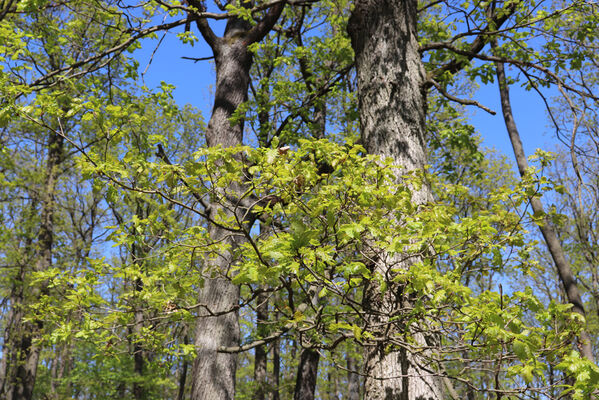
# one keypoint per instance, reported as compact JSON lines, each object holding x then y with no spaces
{"x":260,"y":356}
{"x":392,"y":107}
{"x":276,"y":369}
{"x":139,"y":253}
{"x":213,"y":375}
{"x":353,"y":379}
{"x":562,"y":265}
{"x":183,"y":373}
{"x":139,"y":362}
{"x":305,"y":385}
{"x":307,"y":371}
{"x":60,"y":365}
{"x":28,"y":352}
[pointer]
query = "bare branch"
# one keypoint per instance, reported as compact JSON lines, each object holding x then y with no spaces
{"x":264,"y":26}
{"x":458,"y":100}
{"x":255,"y":343}
{"x":476,"y":46}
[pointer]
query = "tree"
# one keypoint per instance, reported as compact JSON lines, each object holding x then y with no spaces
{"x":362,"y":256}
{"x":390,"y":77}
{"x":214,"y":373}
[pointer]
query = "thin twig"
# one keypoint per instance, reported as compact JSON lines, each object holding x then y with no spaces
{"x":458,"y":100}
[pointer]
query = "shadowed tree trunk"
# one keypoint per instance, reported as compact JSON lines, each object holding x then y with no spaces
{"x":260,"y":356}
{"x":305,"y":383}
{"x":276,"y":369}
{"x":392,"y":109}
{"x":138,"y":254}
{"x":20,"y":384}
{"x":183,"y":370}
{"x":213,"y":375}
{"x":353,"y":379}
{"x":564,"y":270}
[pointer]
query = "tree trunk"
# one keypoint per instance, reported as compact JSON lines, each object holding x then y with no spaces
{"x":307,"y":374}
{"x":392,"y":106}
{"x":28,"y":351}
{"x":213,"y":375}
{"x":183,"y":371}
{"x":353,"y":379}
{"x":260,"y":356}
{"x":13,"y":321}
{"x":276,"y":369}
{"x":139,"y":253}
{"x":12,"y":331}
{"x":139,"y":362}
{"x":305,"y":383}
{"x":562,"y":265}
{"x":60,"y":366}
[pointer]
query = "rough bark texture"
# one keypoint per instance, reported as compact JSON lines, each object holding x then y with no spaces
{"x":213,"y":375}
{"x":392,"y":105}
{"x":11,"y":333}
{"x":562,"y":265}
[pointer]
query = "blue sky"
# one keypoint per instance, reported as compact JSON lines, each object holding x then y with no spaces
{"x":194,"y":82}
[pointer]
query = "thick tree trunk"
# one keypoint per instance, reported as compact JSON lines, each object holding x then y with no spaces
{"x":13,"y":321}
{"x":392,"y":106}
{"x":213,"y":375}
{"x":554,"y":245}
{"x":305,"y":383}
{"x":12,"y":331}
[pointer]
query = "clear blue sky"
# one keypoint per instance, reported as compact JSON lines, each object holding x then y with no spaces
{"x":194,"y":82}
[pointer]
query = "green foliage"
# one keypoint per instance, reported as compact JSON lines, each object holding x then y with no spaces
{"x":131,"y":238}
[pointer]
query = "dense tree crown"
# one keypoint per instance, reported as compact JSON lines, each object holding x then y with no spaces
{"x":333,"y":229}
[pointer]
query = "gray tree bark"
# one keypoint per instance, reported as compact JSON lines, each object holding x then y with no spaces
{"x":392,"y":110}
{"x":564,"y":270}
{"x":213,"y":374}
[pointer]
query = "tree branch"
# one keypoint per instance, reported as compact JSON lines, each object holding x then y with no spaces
{"x":564,"y":270}
{"x":475,"y":47}
{"x":264,"y":26}
{"x":203,"y":25}
{"x":255,"y":343}
{"x":458,"y":100}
